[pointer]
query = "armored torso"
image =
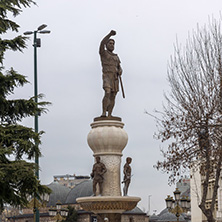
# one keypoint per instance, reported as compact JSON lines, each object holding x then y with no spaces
{"x":110,"y":67}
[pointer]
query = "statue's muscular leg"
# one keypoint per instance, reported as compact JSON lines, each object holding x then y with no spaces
{"x":106,"y":101}
{"x":111,"y":103}
{"x":100,"y":188}
{"x":94,"y":187}
{"x":126,"y":186}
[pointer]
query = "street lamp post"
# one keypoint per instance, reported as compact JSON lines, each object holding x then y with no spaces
{"x":34,"y":202}
{"x":58,"y":213}
{"x":36,"y":43}
{"x":178,"y":205}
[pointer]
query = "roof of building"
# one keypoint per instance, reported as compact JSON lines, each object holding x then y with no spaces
{"x":83,"y":189}
{"x":166,"y":216}
{"x":59,"y":193}
{"x":186,"y":193}
{"x":136,"y":210}
{"x":153,"y":218}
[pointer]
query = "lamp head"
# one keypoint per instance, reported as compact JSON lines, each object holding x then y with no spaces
{"x":58,"y":205}
{"x":188,"y":203}
{"x":169,"y":202}
{"x":45,"y":32}
{"x":183,"y":201}
{"x":41,"y":27}
{"x":28,"y":33}
{"x":177,"y":194}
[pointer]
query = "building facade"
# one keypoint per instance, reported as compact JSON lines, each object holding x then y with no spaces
{"x":196,"y":195}
{"x":70,"y":180}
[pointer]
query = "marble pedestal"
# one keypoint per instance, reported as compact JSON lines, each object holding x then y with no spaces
{"x":107,"y":139}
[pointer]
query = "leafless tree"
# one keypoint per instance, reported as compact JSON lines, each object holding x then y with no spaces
{"x":191,"y":119}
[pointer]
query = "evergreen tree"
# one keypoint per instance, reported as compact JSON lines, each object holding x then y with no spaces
{"x":72,"y":215}
{"x":17,"y":176}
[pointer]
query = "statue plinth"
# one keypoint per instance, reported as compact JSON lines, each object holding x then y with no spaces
{"x":107,"y":139}
{"x":116,"y":118}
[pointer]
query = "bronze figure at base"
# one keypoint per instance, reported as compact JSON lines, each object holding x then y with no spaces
{"x":127,"y":175}
{"x":97,"y":174}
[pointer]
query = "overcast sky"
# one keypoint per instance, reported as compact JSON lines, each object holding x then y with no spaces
{"x":69,"y":74}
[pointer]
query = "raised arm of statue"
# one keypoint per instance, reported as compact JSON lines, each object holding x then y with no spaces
{"x":105,"y":40}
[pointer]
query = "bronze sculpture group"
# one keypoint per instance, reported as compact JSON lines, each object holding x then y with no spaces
{"x":99,"y":169}
{"x":111,"y":76}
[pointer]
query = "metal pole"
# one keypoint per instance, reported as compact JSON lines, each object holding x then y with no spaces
{"x":36,"y":211}
{"x":36,"y":98}
{"x":178,"y":215}
{"x":149,"y":204}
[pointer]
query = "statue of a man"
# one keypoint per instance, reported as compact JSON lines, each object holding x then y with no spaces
{"x":111,"y":70}
{"x":127,"y":175}
{"x":97,"y":174}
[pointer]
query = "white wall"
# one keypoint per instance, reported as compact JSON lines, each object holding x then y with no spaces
{"x":195,"y":194}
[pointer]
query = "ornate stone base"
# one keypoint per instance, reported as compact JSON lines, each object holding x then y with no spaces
{"x":108,"y":204}
{"x":107,"y":139}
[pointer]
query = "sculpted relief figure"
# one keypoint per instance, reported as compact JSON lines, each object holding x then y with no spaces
{"x":127,"y":175}
{"x":97,"y":174}
{"x":112,"y":71}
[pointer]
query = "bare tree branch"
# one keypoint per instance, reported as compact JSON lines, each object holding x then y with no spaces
{"x":191,"y":120}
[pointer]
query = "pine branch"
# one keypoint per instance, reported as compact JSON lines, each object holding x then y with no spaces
{"x":10,"y":81}
{"x":6,"y":24}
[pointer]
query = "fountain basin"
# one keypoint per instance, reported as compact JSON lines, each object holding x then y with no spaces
{"x":108,"y":204}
